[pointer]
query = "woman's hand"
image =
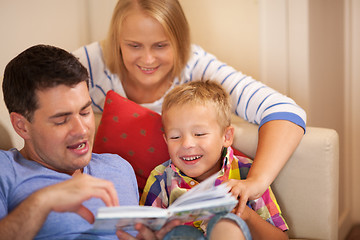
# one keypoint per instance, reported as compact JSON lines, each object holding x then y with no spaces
{"x":244,"y":190}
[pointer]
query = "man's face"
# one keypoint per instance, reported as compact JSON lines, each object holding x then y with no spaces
{"x":61,"y":133}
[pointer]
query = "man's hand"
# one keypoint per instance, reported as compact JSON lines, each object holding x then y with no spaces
{"x":148,"y":234}
{"x":66,"y":196}
{"x":69,"y":195}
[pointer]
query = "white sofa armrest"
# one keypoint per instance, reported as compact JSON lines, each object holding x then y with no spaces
{"x":307,"y":187}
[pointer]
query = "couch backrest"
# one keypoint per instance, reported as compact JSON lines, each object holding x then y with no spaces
{"x":307,"y":187}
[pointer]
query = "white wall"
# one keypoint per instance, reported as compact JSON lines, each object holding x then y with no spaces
{"x":317,"y":64}
{"x":352,"y":103}
{"x":25,"y":23}
{"x":228,"y":29}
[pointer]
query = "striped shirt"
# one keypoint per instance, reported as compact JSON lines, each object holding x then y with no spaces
{"x":166,"y":183}
{"x":250,"y":99}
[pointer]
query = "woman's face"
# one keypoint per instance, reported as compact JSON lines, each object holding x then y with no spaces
{"x":146,"y":50}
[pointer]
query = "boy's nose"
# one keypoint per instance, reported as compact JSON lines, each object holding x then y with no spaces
{"x":188,"y":142}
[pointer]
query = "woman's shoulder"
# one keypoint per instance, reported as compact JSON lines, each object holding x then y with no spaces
{"x":199,"y":54}
{"x":92,"y":50}
{"x":196,"y":50}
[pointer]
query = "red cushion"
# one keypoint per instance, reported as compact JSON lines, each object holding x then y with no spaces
{"x":238,"y":153}
{"x":133,"y":132}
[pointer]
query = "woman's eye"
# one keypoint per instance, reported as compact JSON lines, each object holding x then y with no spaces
{"x":161,"y":45}
{"x":133,"y":45}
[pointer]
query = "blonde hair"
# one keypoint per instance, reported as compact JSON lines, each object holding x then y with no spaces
{"x":204,"y":93}
{"x":168,"y":13}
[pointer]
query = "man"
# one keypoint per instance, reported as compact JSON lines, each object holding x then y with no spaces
{"x":54,"y":185}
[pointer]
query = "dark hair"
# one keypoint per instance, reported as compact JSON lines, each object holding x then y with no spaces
{"x":38,"y":68}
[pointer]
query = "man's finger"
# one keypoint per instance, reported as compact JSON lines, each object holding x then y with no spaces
{"x":124,"y":235}
{"x":86,"y":214}
{"x":167,"y":228}
{"x":145,"y":232}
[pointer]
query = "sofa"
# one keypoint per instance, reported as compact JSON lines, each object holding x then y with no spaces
{"x":306,"y":188}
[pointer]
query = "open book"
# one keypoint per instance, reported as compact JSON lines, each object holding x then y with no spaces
{"x":199,"y":203}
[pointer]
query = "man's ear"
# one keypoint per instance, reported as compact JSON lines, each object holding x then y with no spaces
{"x":20,"y":125}
{"x":229,"y":136}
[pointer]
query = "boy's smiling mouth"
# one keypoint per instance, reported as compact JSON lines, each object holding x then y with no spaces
{"x":192,"y":158}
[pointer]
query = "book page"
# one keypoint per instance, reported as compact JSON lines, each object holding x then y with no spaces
{"x":203,"y":210}
{"x":201,"y":192}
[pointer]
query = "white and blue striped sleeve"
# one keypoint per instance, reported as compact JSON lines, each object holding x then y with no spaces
{"x":101,"y":80}
{"x":250,"y":99}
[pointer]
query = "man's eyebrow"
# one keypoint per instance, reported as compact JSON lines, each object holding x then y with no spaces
{"x":62,"y":114}
{"x":86,"y":105}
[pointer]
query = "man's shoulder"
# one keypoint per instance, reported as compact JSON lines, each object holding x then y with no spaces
{"x":109,"y":159}
{"x":8,"y":155}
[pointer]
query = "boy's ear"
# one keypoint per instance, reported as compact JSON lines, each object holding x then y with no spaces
{"x":229,"y":136}
{"x":164,"y":136}
{"x":20,"y":125}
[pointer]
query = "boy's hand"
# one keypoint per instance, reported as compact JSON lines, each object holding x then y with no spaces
{"x":244,"y":190}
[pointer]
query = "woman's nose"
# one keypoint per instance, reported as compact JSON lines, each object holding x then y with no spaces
{"x":149,"y":57}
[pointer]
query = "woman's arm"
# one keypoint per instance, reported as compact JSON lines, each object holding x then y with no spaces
{"x":250,"y":99}
{"x":282,"y":122}
{"x":261,"y":229}
{"x":277,"y":140}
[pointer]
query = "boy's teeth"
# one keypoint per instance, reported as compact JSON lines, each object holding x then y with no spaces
{"x":191,"y":158}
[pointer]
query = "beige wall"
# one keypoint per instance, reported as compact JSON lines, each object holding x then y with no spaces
{"x":23,"y":24}
{"x":352,"y":104}
{"x":230,"y":33}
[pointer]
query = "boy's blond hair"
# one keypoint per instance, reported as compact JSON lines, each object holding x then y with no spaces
{"x":204,"y":93}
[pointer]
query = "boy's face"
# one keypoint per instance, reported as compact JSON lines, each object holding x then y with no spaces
{"x":61,"y":133}
{"x":195,"y":139}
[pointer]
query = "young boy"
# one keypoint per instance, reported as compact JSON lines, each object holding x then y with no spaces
{"x":197,"y":124}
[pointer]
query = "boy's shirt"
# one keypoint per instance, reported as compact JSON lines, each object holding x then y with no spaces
{"x":166,"y":183}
